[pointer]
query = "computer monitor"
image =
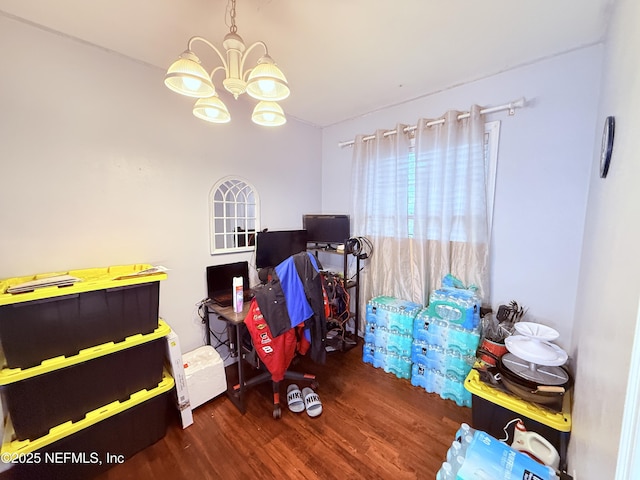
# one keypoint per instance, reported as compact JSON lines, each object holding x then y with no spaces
{"x":272,"y":247}
{"x":327,"y":228}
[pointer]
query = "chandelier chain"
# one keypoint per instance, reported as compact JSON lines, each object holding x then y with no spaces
{"x":232,"y":14}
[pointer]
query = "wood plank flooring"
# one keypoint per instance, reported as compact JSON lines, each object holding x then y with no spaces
{"x":374,"y":426}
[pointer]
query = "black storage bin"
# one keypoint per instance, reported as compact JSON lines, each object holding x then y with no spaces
{"x":36,"y":330}
{"x":42,"y":401}
{"x":89,"y":451}
{"x":495,"y":412}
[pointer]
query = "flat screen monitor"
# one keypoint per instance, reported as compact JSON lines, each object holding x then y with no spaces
{"x":220,"y":281}
{"x":327,"y":228}
{"x":274,"y":247}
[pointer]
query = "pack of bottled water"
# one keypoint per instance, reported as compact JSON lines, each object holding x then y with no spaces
{"x":435,"y":352}
{"x":399,"y":343}
{"x":448,"y":361}
{"x":436,"y":331}
{"x":463,"y":340}
{"x":456,"y":305}
{"x":454,"y":390}
{"x":428,"y":354}
{"x":431,"y":379}
{"x":387,"y":350}
{"x":436,"y":381}
{"x":399,"y":365}
{"x":458,"y":365}
{"x":368,"y":351}
{"x":394,"y":314}
{"x":478,"y":455}
{"x":443,"y":354}
{"x":430,"y":329}
{"x":370,"y":332}
{"x":388,"y":334}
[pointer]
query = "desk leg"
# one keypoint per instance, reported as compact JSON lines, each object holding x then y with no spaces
{"x":236,"y":393}
{"x":208,"y":326}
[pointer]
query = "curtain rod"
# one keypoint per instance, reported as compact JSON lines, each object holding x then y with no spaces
{"x":507,"y":106}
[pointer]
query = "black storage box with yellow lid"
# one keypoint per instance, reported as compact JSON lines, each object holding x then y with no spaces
{"x":106,"y":437}
{"x":495,"y":412}
{"x":95,"y":306}
{"x":66,"y":388}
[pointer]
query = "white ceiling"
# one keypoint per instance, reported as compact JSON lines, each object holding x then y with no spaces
{"x":342,"y":58}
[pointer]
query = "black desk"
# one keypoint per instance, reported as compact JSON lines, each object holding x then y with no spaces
{"x":235,"y":322}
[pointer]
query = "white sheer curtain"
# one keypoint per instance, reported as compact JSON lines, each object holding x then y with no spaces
{"x":423,"y":208}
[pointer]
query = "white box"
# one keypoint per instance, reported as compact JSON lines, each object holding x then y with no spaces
{"x":205,"y":374}
{"x":176,"y":367}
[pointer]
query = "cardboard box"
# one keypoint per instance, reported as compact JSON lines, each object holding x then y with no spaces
{"x":176,"y":368}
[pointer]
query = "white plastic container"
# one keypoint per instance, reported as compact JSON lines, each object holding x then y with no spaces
{"x":205,"y":374}
{"x":238,"y":294}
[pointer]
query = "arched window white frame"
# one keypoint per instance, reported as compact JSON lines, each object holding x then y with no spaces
{"x":234,"y":216}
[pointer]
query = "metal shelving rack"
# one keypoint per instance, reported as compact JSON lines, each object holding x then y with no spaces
{"x":349,"y":339}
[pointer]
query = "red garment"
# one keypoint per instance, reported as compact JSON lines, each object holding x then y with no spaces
{"x":276,"y":353}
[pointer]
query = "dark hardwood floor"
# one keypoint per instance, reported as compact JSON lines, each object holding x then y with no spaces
{"x":374,"y":426}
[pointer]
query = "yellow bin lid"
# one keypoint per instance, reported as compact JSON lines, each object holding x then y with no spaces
{"x":560,"y":421}
{"x":57,"y":284}
{"x":10,"y":375}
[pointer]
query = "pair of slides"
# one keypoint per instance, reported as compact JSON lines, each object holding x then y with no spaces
{"x":306,"y":399}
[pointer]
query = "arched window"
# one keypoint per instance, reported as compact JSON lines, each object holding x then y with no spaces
{"x":234,"y":209}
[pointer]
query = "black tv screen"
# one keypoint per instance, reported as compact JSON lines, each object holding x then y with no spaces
{"x":327,"y":228}
{"x":274,"y":247}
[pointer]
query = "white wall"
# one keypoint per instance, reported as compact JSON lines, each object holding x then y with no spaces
{"x":544,"y":164}
{"x":100,"y":164}
{"x":609,"y":283}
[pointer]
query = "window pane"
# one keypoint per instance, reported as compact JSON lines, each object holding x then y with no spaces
{"x":234,"y":210}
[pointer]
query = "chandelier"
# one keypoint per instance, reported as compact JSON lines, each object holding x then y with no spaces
{"x":264,"y":82}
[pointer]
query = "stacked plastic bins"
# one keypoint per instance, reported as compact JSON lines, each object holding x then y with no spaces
{"x":389,"y":334}
{"x":82,"y":381}
{"x":445,"y":339}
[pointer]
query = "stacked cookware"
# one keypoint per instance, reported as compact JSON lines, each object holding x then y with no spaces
{"x":533,"y":368}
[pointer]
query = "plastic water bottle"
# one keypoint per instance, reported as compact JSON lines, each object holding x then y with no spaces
{"x":445,"y":472}
{"x":464,"y":430}
{"x":379,"y":357}
{"x":430,"y":380}
{"x":368,"y":353}
{"x":457,"y":464}
{"x":454,"y":450}
{"x":370,"y":333}
{"x":418,"y":378}
{"x":466,"y":441}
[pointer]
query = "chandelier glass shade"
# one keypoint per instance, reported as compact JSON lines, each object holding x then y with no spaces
{"x":211,"y":109}
{"x":264,"y":82}
{"x":187,"y":77}
{"x":267,"y":82}
{"x":269,"y":114}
